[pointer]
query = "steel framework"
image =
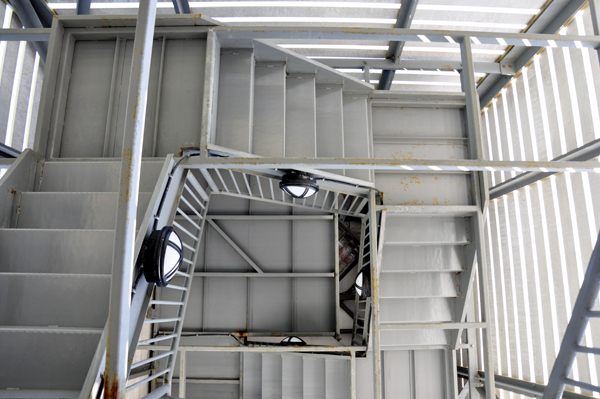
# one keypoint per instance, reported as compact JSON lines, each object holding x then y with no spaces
{"x":131,"y":157}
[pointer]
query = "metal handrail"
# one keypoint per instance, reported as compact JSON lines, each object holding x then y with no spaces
{"x":333,"y":197}
{"x":192,"y":203}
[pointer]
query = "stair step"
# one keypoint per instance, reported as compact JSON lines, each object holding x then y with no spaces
{"x":337,"y":375}
{"x":417,"y":309}
{"x":73,"y":210}
{"x":300,"y":116}
{"x":419,"y":285}
{"x":292,"y":377}
{"x":356,"y":132}
{"x":426,"y":229}
{"x":414,"y":338}
{"x":268,"y":136}
{"x":271,"y":376}
{"x":399,"y":259}
{"x":313,"y":384}
{"x":61,"y":359}
{"x":56,"y":251}
{"x":236,"y":99}
{"x":90,"y":176}
{"x":330,"y":122}
{"x":66,"y":300}
{"x":251,"y":387}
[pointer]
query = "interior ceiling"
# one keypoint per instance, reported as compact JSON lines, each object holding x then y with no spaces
{"x":507,"y":16}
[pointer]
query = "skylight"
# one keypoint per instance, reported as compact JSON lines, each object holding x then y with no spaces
{"x":307,"y":4}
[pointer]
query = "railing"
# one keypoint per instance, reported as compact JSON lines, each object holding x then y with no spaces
{"x":333,"y":197}
{"x":363,"y":303}
{"x":177,"y":193}
{"x":191,"y":216}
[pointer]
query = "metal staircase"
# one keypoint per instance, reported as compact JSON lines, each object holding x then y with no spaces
{"x":295,"y":376}
{"x":274,"y":103}
{"x":56,"y":250}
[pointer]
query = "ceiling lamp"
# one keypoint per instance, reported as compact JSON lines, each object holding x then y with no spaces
{"x":292,"y":341}
{"x":163,"y":255}
{"x":362,"y":284}
{"x":298,"y":184}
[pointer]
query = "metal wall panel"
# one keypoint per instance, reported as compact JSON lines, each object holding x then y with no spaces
{"x":540,"y":238}
{"x":88,"y":99}
{"x":269,"y":112}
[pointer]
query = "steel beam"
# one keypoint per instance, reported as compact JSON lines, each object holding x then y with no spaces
{"x":434,"y":65}
{"x":240,"y":33}
{"x":586,"y":152}
{"x":181,"y":7}
{"x":83,"y":7}
{"x":209,"y":381}
{"x":375,"y":330}
{"x":30,"y":19}
{"x":586,"y":301}
{"x":27,"y":34}
{"x":431,"y":326}
{"x":409,"y":165}
{"x":235,"y":246}
{"x":405,"y":17}
{"x":520,"y":387}
{"x":269,"y":217}
{"x":8,"y":152}
{"x":259,"y":349}
{"x":44,"y":12}
{"x":264,"y":275}
{"x":115,"y":376}
{"x":552,"y":19}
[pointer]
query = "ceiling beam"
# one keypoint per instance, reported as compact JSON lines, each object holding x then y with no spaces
{"x":405,"y":17}
{"x":552,"y":19}
{"x":30,"y":19}
{"x":586,"y":152}
{"x":181,"y":7}
{"x":434,"y":65}
{"x":83,"y":7}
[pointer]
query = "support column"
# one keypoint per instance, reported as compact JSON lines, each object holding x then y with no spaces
{"x":375,"y":330}
{"x":117,"y":349}
{"x":480,"y":197}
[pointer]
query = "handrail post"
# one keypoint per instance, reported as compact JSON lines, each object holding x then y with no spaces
{"x":115,"y":377}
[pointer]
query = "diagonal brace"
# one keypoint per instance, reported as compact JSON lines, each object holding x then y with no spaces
{"x":234,"y":245}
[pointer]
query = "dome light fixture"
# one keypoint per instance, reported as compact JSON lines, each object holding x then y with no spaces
{"x":298,"y":184}
{"x":292,"y":341}
{"x":362,"y":284}
{"x":163,"y":256}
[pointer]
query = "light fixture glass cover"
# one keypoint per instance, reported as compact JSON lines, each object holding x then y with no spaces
{"x":298,"y":184}
{"x":163,"y":256}
{"x":292,"y":341}
{"x":362,"y":283}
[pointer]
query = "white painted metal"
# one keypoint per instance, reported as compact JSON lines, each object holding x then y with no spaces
{"x":427,"y":234}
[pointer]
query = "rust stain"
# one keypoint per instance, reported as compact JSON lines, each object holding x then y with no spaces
{"x":128,"y":156}
{"x":435,"y":201}
{"x":112,"y":389}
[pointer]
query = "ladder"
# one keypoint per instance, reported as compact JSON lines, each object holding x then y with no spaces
{"x":362,"y":312}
